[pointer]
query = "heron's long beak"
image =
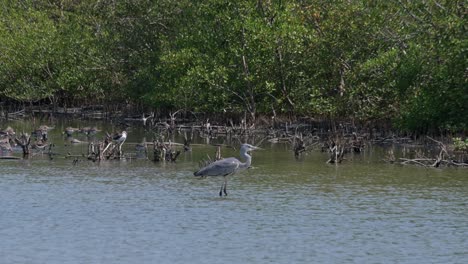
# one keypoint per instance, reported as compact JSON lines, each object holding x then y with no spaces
{"x":257,"y":148}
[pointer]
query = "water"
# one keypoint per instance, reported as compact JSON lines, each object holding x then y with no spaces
{"x":281,"y":211}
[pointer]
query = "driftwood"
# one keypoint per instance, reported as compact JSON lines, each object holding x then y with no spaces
{"x":298,"y":145}
{"x":24,"y":142}
{"x":443,"y":158}
{"x":164,"y":152}
{"x":434,"y":163}
{"x":158,"y":151}
{"x":302,"y":144}
{"x":336,"y":152}
{"x":112,"y":151}
{"x":341,"y":144}
{"x":5,"y":144}
{"x":103,"y":150}
{"x":96,"y":151}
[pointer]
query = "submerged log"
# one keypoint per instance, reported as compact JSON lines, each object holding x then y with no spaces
{"x":9,"y":158}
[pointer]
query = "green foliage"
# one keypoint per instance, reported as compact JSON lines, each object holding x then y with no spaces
{"x":460,"y":144}
{"x":437,"y":96}
{"x":369,"y":60}
{"x":26,"y":36}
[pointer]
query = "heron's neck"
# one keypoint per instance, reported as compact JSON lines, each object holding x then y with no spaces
{"x":247,"y":158}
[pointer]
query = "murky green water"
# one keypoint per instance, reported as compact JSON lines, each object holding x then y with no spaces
{"x":281,"y":211}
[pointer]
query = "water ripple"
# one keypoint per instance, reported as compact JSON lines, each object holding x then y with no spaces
{"x":141,"y":212}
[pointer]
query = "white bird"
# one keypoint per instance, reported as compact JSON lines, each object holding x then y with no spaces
{"x":120,"y":138}
{"x":228,"y":166}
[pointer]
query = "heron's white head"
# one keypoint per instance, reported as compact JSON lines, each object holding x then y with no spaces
{"x":247,"y":147}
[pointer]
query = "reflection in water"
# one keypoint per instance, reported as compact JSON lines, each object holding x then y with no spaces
{"x":280,"y":211}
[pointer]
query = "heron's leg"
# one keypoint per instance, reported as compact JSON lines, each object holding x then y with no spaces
{"x":221,"y":190}
{"x":225,"y":184}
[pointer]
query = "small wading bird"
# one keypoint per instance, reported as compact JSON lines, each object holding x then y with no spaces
{"x":69,"y":131}
{"x":119,"y":139}
{"x":89,"y":131}
{"x":228,"y":166}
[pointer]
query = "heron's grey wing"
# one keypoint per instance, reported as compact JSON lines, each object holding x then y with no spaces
{"x":219,"y":168}
{"x":117,"y":136}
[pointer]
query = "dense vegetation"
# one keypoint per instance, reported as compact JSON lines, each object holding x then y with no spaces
{"x":397,"y":60}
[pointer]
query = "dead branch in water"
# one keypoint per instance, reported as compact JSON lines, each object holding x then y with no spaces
{"x":336,"y":151}
{"x":164,"y":152}
{"x":442,"y":158}
{"x":209,"y":160}
{"x":24,"y":142}
{"x":339,"y":145}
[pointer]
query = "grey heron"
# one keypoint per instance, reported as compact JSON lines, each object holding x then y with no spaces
{"x":228,"y":166}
